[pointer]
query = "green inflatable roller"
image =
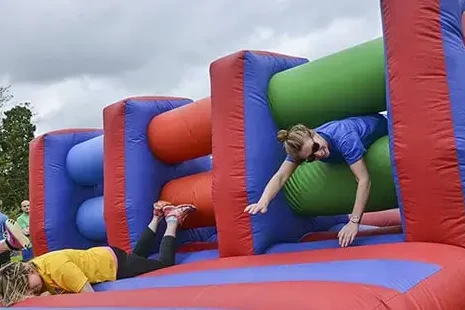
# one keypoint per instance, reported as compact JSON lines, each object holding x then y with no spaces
{"x":327,"y":189}
{"x":347,"y":83}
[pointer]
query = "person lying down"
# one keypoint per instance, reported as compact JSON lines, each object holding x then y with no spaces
{"x":74,"y":271}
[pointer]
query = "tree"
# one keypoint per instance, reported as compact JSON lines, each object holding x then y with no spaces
{"x":5,"y":95}
{"x":16,"y":132}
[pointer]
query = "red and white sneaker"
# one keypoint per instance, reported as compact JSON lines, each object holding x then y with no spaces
{"x":15,"y":236}
{"x":180,"y":212}
{"x":158,"y":208}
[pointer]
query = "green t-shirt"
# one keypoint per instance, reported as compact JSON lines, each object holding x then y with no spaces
{"x":23,"y":220}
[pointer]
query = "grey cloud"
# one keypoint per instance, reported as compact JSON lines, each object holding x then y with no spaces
{"x":60,"y":39}
{"x":143,"y":47}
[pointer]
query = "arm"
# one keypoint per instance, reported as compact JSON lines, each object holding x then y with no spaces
{"x":347,"y":234}
{"x":272,"y":188}
{"x":353,"y":151}
{"x":362,"y":176}
{"x":277,"y":182}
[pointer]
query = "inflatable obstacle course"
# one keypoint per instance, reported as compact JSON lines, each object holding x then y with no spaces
{"x":415,"y":267}
{"x":94,"y":187}
{"x":143,"y":162}
{"x":65,"y":170}
{"x":177,"y":136}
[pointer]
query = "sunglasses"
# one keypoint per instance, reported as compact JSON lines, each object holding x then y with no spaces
{"x":315,"y":148}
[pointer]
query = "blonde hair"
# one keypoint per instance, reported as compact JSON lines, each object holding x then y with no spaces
{"x":14,"y":283}
{"x":294,"y":138}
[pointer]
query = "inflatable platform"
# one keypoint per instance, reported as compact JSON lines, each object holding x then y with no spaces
{"x":96,"y":187}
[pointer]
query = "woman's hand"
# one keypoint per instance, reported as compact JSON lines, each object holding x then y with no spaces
{"x":347,"y":234}
{"x":272,"y":188}
{"x":256,"y":207}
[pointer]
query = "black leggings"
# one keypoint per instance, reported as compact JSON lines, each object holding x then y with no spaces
{"x":137,"y":263}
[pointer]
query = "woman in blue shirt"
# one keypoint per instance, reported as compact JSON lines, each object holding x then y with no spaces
{"x":341,"y":141}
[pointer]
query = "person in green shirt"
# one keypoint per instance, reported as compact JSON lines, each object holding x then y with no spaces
{"x":23,"y":219}
{"x":23,"y":222}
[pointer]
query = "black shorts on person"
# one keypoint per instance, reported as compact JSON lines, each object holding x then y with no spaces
{"x":137,"y":263}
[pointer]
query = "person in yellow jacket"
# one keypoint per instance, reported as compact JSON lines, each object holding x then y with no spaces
{"x":74,"y":271}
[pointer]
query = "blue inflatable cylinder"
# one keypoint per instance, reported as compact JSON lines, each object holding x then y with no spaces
{"x":90,"y":220}
{"x":85,"y":162}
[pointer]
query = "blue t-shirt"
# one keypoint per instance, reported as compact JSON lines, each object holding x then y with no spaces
{"x":3,"y":219}
{"x":348,"y":139}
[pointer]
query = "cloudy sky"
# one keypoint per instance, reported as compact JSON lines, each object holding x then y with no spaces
{"x":72,"y":58}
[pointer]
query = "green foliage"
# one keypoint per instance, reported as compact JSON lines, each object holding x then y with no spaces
{"x":16,"y":131}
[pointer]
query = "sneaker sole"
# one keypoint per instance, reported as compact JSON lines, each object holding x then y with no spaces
{"x":191,"y":209}
{"x":15,"y":230}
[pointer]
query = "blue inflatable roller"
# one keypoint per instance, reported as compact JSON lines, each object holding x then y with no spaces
{"x":90,"y":220}
{"x":85,"y":162}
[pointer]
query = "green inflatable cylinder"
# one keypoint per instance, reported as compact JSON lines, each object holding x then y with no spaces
{"x":348,"y":83}
{"x":329,"y":189}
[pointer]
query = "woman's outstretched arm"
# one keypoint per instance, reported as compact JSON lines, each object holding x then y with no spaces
{"x":348,"y":233}
{"x":363,"y":187}
{"x":272,"y":188}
